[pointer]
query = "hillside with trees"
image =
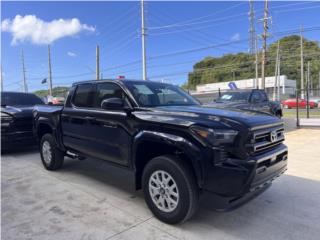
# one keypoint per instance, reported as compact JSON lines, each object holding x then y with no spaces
{"x":56,"y":92}
{"x":242,"y":65}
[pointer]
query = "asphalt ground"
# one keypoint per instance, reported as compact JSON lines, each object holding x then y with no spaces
{"x":90,"y":200}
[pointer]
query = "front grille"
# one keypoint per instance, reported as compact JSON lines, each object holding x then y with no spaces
{"x":265,"y":139}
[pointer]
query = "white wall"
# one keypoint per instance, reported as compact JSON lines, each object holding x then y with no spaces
{"x":248,"y":83}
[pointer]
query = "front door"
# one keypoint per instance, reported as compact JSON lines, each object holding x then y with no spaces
{"x":110,"y":131}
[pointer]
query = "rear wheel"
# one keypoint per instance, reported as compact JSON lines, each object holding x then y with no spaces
{"x":52,"y":157}
{"x":170,"y":189}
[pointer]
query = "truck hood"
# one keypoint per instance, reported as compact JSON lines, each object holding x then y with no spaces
{"x":208,"y":115}
{"x":18,"y":111}
{"x":228,"y":104}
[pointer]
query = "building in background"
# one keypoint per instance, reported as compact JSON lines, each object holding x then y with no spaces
{"x":287,"y":86}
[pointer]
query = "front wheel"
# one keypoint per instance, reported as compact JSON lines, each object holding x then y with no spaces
{"x":170,"y":189}
{"x":52,"y":157}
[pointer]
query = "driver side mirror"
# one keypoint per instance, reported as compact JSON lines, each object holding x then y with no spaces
{"x":112,"y":103}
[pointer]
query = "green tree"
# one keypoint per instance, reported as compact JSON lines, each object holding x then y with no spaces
{"x":241,"y":65}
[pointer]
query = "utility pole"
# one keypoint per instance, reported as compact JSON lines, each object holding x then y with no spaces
{"x":143,"y":41}
{"x":253,"y":41}
{"x":278,"y":88}
{"x":319,"y":84}
{"x":308,"y":87}
{"x":1,"y":79}
{"x":256,"y":82}
{"x":264,"y":48}
{"x":276,"y":73}
{"x":97,"y":63}
{"x":24,"y":83}
{"x":301,"y":62}
{"x":252,"y":31}
{"x":50,"y":71}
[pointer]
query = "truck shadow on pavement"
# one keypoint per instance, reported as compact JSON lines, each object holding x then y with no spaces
{"x":289,"y":209}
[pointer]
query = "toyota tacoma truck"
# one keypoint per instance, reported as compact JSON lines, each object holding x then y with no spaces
{"x":177,"y":151}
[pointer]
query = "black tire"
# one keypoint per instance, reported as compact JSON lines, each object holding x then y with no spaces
{"x":57,"y":156}
{"x":185,"y":180}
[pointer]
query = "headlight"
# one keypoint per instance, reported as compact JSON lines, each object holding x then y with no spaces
{"x":5,"y":119}
{"x":215,"y":137}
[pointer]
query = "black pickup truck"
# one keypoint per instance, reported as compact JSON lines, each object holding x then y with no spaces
{"x":178,"y":151}
{"x":252,"y":99}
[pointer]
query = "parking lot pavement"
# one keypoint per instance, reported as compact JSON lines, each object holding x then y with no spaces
{"x":89,"y":200}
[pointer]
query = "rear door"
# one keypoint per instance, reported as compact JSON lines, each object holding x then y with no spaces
{"x":76,"y":118}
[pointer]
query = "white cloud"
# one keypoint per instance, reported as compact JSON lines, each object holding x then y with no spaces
{"x":71,"y":54}
{"x":35,"y":30}
{"x":235,"y":37}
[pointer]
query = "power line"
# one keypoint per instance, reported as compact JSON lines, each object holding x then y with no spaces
{"x":219,"y":19}
{"x":226,"y":43}
{"x":240,"y":65}
{"x":202,"y":17}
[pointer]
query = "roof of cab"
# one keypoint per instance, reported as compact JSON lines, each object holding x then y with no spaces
{"x":113,"y":80}
{"x":105,"y":80}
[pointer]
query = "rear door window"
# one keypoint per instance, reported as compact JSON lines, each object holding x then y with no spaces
{"x":83,"y":95}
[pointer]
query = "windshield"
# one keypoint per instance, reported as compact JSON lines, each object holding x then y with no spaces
{"x":19,"y":99}
{"x":234,"y":96}
{"x":153,"y":94}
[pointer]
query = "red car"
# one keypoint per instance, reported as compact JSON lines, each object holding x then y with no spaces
{"x":292,"y":103}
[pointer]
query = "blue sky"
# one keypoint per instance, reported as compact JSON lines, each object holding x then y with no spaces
{"x":115,"y":26}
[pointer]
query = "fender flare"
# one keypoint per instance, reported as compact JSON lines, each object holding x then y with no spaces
{"x":192,"y":151}
{"x":56,"y":134}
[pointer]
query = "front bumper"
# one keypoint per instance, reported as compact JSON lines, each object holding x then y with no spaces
{"x":236,"y":180}
{"x":17,"y":138}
